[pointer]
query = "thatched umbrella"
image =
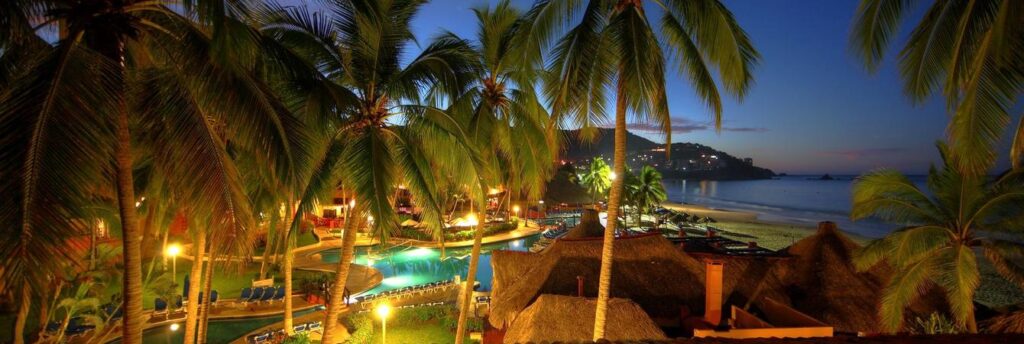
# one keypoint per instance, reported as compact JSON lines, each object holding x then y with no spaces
{"x":509,"y":266}
{"x":557,"y":318}
{"x":647,"y":269}
{"x":1007,"y":323}
{"x":589,"y":226}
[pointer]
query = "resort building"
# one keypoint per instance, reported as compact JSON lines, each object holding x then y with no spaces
{"x":706,"y":287}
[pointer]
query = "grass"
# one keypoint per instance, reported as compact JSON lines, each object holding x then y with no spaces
{"x":425,"y":332}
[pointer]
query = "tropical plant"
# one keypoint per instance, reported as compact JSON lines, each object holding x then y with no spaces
{"x":83,"y":304}
{"x":645,"y":191}
{"x":970,"y":51}
{"x":960,"y":212}
{"x":596,"y":178}
{"x":381,"y":134}
{"x":504,"y":119}
{"x":610,"y":45}
{"x":184,"y":76}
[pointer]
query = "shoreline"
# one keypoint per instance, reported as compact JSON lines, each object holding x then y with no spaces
{"x":748,"y":226}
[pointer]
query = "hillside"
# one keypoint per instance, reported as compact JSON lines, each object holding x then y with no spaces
{"x":687,"y":161}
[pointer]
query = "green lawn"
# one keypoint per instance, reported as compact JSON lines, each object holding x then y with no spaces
{"x":429,"y":332}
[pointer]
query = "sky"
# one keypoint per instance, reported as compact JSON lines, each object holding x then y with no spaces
{"x":813,"y":109}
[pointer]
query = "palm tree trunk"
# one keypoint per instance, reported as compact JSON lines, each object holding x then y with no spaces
{"x":474,"y":260}
{"x":204,"y":308}
{"x":288,"y":286}
{"x":195,"y":276}
{"x":22,"y":317}
{"x":334,"y":308}
{"x":619,"y":167}
{"x":131,"y":236}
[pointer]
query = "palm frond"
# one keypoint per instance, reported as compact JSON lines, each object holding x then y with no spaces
{"x":959,"y":276}
{"x":875,"y":24}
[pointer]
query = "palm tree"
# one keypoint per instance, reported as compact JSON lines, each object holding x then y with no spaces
{"x":383,"y":133}
{"x":970,"y":51}
{"x":960,"y":212}
{"x":70,"y":108}
{"x":646,"y":191}
{"x":613,"y":46}
{"x":505,"y":120}
{"x":596,"y":178}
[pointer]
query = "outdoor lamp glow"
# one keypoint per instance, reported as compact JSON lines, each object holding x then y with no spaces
{"x":472,"y":220}
{"x":612,"y":175}
{"x":383,"y":311}
{"x":515,"y":209}
{"x":175,"y":327}
{"x":173,"y":250}
{"x":352,"y":203}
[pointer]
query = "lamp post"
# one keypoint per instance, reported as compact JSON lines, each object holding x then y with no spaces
{"x":515,"y":209}
{"x":383,"y":311}
{"x":173,"y":250}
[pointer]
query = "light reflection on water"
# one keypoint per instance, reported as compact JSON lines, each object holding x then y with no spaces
{"x":403,"y":266}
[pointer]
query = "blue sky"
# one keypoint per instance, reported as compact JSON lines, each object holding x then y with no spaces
{"x":814,"y":109}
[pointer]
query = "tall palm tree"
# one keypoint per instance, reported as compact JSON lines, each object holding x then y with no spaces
{"x":174,"y":77}
{"x":505,"y":120}
{"x":384,"y":133}
{"x":970,"y":51}
{"x":596,"y":178}
{"x":646,"y":191}
{"x":613,"y":46}
{"x":960,"y":212}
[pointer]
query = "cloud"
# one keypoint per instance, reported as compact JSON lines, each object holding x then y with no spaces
{"x":683,"y":125}
{"x":855,"y":154}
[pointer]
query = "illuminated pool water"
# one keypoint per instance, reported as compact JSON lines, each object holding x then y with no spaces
{"x":403,"y":266}
{"x":219,"y":331}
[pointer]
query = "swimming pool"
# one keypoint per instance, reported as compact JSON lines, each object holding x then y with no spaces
{"x":219,"y":331}
{"x":403,"y":266}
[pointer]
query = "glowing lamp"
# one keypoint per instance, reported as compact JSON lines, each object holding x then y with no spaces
{"x":175,"y":327}
{"x":471,"y":220}
{"x":612,"y":175}
{"x":383,"y":311}
{"x":173,"y":250}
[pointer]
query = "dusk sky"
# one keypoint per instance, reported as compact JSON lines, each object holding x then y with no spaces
{"x":814,"y":108}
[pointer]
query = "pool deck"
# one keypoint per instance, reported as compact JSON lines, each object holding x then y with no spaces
{"x":441,"y":295}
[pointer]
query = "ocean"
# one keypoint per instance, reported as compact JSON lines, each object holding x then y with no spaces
{"x":801,"y":200}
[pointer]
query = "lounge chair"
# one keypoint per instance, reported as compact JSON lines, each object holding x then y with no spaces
{"x":256,"y":295}
{"x":213,"y":297}
{"x":314,"y":327}
{"x":268,"y":294}
{"x":299,"y":328}
{"x":244,"y":296}
{"x":279,"y":295}
{"x":261,"y":338}
{"x":179,"y":304}
{"x":160,"y":307}
{"x":76,"y":327}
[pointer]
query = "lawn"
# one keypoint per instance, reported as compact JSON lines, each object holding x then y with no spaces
{"x":427,"y":332}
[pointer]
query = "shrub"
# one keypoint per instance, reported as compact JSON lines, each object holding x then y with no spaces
{"x":934,"y":324}
{"x":360,"y":327}
{"x":301,"y":338}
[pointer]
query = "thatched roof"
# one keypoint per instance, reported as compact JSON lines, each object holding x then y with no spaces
{"x":557,"y":318}
{"x":509,"y":266}
{"x":1007,"y":323}
{"x":647,"y":269}
{"x":589,"y":226}
{"x":822,"y":282}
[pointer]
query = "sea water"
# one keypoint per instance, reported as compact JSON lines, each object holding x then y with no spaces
{"x":803,"y":200}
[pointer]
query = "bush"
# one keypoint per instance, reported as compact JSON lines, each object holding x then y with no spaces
{"x":934,"y":324}
{"x":301,"y":338}
{"x":360,"y":327}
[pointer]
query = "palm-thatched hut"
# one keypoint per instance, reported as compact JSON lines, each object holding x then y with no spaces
{"x":821,"y":281}
{"x":589,"y":226}
{"x":558,"y":318}
{"x":647,"y":269}
{"x":1012,"y":322}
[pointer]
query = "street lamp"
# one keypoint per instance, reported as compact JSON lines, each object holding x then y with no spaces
{"x":383,"y":311}
{"x":612,"y":175}
{"x":515,"y":209}
{"x":173,"y":250}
